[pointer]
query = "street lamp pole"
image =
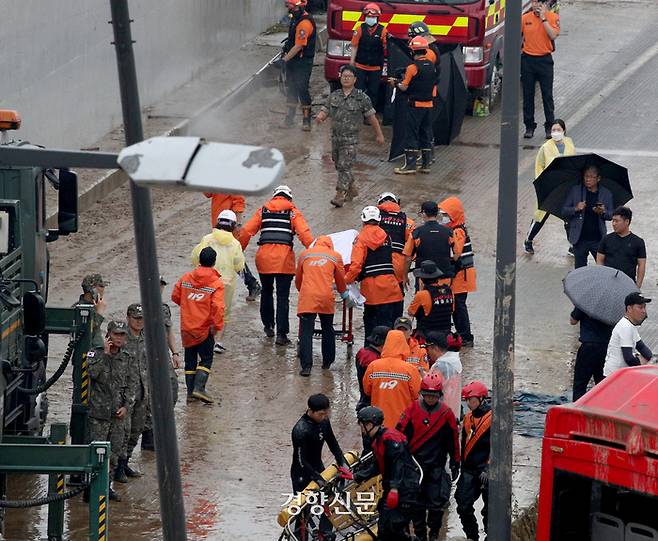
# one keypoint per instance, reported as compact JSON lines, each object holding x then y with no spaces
{"x":172,"y":510}
{"x":500,"y":475}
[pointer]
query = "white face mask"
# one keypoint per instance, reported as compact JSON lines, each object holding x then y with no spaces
{"x":371,"y":21}
{"x":557,"y":135}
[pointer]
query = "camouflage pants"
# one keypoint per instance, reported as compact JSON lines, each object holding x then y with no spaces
{"x":173,"y":381}
{"x":344,"y":155}
{"x":109,"y":430}
{"x":135,"y":425}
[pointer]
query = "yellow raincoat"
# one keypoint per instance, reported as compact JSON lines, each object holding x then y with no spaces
{"x":546,"y":154}
{"x":230,"y":261}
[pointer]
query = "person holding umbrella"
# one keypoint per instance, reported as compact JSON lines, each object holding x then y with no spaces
{"x":558,"y":145}
{"x":587,"y":207}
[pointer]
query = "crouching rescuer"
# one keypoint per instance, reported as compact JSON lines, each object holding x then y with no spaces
{"x":200,"y":295}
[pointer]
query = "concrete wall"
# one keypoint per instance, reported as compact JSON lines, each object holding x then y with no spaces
{"x":57,"y":67}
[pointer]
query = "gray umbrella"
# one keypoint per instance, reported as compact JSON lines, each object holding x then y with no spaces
{"x":599,"y":291}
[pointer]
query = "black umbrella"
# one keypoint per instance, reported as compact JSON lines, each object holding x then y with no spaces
{"x":564,"y":172}
{"x":453,"y":95}
{"x":398,"y":60}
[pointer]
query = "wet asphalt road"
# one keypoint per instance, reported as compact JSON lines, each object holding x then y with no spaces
{"x":235,"y":457}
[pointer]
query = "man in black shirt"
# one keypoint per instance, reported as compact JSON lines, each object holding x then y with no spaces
{"x":622,"y":249}
{"x":594,"y":338}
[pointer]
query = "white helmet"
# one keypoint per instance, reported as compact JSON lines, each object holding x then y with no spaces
{"x":283,"y":190}
{"x":227,"y":216}
{"x":388,"y":195}
{"x":370,"y":213}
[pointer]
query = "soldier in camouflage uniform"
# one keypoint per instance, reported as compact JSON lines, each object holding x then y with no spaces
{"x":109,"y":401}
{"x":347,"y":107}
{"x":93,"y":292}
{"x":138,"y":389}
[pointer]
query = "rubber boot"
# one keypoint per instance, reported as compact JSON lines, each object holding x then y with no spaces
{"x":147,"y":440}
{"x":289,"y":121}
{"x":199,"y":391}
{"x":113,"y":495}
{"x":120,"y":472}
{"x":129,"y":471}
{"x":339,"y":199}
{"x":409,"y":167}
{"x":352,"y":192}
{"x":426,"y":160}
{"x":306,"y":120}
{"x":189,"y":383}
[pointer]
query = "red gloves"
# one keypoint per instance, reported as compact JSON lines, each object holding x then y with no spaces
{"x":345,"y":473}
{"x":392,"y":498}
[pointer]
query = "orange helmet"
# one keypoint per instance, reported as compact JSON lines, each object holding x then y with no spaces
{"x":372,"y":9}
{"x":418,"y":43}
{"x":432,"y":383}
{"x":475,"y":389}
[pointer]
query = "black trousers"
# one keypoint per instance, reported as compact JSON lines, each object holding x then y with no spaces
{"x":196,"y":356}
{"x":460,"y":317}
{"x":419,"y":128}
{"x":267,"y":315}
{"x":393,"y":524}
{"x":298,"y":75}
{"x":432,"y":501}
{"x":582,"y":249}
{"x":248,"y":277}
{"x":369,"y":82}
{"x":378,"y":314}
{"x":533,"y":69}
{"x":469,"y":489}
{"x":306,"y":328}
{"x":589,"y":364}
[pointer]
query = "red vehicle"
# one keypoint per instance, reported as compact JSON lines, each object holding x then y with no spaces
{"x":599,"y":476}
{"x":477,"y":25}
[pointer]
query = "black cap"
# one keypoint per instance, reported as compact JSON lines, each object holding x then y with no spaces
{"x":635,"y":298}
{"x":436,"y":338}
{"x":318,"y":402}
{"x":403,"y":322}
{"x":429,"y":208}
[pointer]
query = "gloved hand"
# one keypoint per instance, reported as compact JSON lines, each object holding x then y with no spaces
{"x":345,"y":473}
{"x":454,"y":470}
{"x":484,"y":476}
{"x":349,"y":302}
{"x":392,"y":498}
{"x":345,"y":295}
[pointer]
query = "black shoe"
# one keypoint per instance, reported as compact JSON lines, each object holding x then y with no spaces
{"x":467,"y":343}
{"x":147,"y":441}
{"x":120,"y":473}
{"x":306,"y":372}
{"x":254,"y":292}
{"x":527,"y":246}
{"x":282,"y":340}
{"x":326,"y":366}
{"x":529,"y":133}
{"x":548,"y":133}
{"x":113,"y":495}
{"x":269,"y":332}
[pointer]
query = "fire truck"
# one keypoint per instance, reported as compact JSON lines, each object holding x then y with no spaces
{"x":476,"y":25}
{"x":599,"y":476}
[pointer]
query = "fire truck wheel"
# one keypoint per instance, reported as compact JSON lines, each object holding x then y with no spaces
{"x":495,"y":85}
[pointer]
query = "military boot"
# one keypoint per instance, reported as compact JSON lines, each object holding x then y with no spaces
{"x":426,"y":160}
{"x":409,"y":167}
{"x":199,"y":392}
{"x":352,"y":192}
{"x":339,"y":199}
{"x":147,"y":440}
{"x":120,"y":472}
{"x":289,"y":120}
{"x":129,"y":471}
{"x":113,"y":495}
{"x":306,"y":120}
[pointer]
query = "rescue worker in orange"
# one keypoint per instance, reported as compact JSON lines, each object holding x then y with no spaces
{"x":236,"y":203}
{"x":432,"y":437}
{"x":432,"y":305}
{"x":451,"y":214}
{"x":299,"y":51}
{"x":418,"y":83}
{"x":417,"y":357}
{"x":391,"y":382}
{"x":369,"y":44}
{"x":200,"y":295}
{"x":399,"y":227}
{"x":366,"y":355}
{"x":372,"y":265}
{"x":476,"y":444}
{"x":318,"y":268}
{"x":278,"y":221}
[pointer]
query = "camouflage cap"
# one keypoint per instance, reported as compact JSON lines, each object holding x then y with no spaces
{"x":117,"y":326}
{"x":93,"y":280}
{"x":135,"y":310}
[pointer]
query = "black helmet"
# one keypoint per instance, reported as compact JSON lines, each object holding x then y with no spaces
{"x":370,"y":414}
{"x":419,"y":28}
{"x":378,"y":335}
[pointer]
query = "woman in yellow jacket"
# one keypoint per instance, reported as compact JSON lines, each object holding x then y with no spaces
{"x":230,"y":261}
{"x":558,"y":145}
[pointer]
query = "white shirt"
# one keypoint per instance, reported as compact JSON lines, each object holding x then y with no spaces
{"x":624,"y":335}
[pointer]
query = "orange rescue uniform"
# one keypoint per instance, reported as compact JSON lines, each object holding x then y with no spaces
{"x":417,"y":357}
{"x":223,"y":201}
{"x":317,"y":270}
{"x":535,"y":38}
{"x":303,"y":32}
{"x":276,"y":258}
{"x":465,"y":280}
{"x":391,"y":382}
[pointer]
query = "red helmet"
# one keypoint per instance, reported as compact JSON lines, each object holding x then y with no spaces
{"x":418,"y":43}
{"x":475,"y":389}
{"x":432,"y":383}
{"x":454,"y":342}
{"x":372,"y":9}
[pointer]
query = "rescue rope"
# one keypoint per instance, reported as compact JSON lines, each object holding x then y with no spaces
{"x":60,"y":370}
{"x":45,"y":500}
